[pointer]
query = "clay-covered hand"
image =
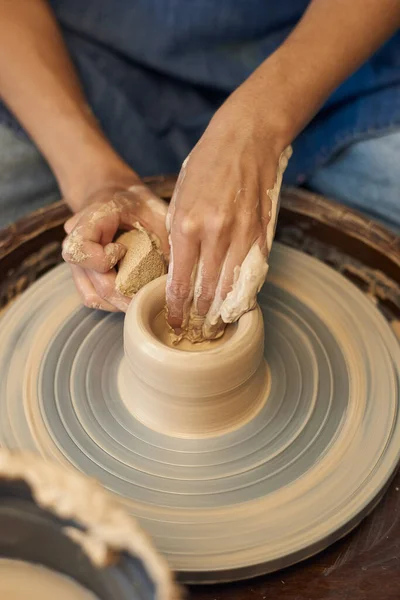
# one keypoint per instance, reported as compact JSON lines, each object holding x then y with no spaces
{"x":89,"y":245}
{"x":221,"y":223}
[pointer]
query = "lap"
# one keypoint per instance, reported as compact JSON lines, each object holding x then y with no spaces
{"x":365,"y":176}
{"x":26,"y":182}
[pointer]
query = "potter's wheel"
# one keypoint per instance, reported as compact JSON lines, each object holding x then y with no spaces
{"x":302,"y":473}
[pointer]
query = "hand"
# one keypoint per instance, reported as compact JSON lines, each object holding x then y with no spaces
{"x":222,"y":221}
{"x":89,"y":246}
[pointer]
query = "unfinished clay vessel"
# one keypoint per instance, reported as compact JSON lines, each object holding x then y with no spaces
{"x":190,"y":389}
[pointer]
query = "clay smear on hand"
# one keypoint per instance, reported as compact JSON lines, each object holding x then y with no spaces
{"x":254,"y":269}
{"x":73,"y":247}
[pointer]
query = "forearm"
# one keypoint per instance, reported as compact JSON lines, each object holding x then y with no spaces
{"x":39,"y":84}
{"x":332,"y":40}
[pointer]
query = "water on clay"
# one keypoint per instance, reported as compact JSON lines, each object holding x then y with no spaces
{"x":21,"y":580}
{"x":161,"y":332}
{"x":252,"y":500}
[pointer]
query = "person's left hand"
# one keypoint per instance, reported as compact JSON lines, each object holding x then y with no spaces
{"x":90,"y":249}
{"x":221,"y":221}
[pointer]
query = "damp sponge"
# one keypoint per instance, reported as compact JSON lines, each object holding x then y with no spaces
{"x":142,"y":262}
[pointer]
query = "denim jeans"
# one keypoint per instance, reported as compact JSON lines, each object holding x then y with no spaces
{"x":26,"y":182}
{"x":365,"y":176}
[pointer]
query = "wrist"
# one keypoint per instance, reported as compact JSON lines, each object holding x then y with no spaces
{"x":111,"y":181}
{"x":96,"y":166}
{"x":262,"y":108}
{"x":246,"y":117}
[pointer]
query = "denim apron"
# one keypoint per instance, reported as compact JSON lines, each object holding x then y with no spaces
{"x":155,"y":71}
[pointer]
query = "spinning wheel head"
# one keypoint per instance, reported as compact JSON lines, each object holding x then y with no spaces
{"x":270,"y":487}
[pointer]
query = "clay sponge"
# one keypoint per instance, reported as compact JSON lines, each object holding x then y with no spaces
{"x":142,"y":262}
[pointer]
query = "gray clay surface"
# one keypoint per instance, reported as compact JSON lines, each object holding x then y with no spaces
{"x":298,"y":476}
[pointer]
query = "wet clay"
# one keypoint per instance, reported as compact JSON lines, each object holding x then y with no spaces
{"x":163,"y":333}
{"x":253,"y":271}
{"x":24,"y":581}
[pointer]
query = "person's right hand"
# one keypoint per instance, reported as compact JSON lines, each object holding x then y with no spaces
{"x":89,"y":246}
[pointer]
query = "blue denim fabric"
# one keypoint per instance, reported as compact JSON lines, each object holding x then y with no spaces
{"x":365,"y":176}
{"x":155,"y":71}
{"x":26,"y":182}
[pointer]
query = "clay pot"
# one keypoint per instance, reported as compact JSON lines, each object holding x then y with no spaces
{"x":207,"y":389}
{"x":41,"y":508}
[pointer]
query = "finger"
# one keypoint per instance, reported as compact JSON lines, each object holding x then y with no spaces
{"x":208,"y":273}
{"x":149,"y":210}
{"x":172,"y":205}
{"x":180,"y":281}
{"x":104,"y":286}
{"x":214,"y":324}
{"x":99,"y":221}
{"x":78,"y":250}
{"x":94,"y":230}
{"x":248,"y":281}
{"x":71,"y":223}
{"x":87,"y":292}
{"x":212,"y":257}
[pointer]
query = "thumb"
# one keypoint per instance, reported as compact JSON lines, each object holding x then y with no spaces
{"x":114,"y":252}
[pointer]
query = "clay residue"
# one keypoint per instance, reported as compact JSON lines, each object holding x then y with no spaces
{"x":253,"y":271}
{"x":73,"y":247}
{"x":243,"y":296}
{"x":112,"y":207}
{"x":112,"y":253}
{"x":167,"y":337}
{"x":380,"y":289}
{"x":108,"y":530}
